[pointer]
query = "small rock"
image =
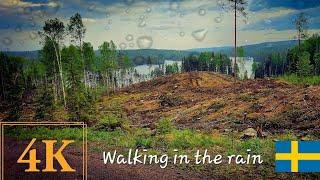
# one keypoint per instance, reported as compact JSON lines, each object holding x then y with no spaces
{"x":249,"y":133}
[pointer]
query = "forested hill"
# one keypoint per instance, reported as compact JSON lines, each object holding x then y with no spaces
{"x":140,"y":56}
{"x":257,"y":51}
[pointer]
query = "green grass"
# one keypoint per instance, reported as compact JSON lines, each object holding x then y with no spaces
{"x":294,"y":79}
{"x":186,"y":141}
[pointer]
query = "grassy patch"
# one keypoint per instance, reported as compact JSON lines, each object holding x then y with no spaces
{"x":294,"y":79}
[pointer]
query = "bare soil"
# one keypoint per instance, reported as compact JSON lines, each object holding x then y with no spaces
{"x":96,"y":168}
{"x":206,"y":101}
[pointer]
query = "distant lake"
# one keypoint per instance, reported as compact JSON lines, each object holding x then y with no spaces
{"x":146,"y":69}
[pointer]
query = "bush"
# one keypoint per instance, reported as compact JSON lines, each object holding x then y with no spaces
{"x":110,"y":123}
{"x":142,"y":142}
{"x":44,"y":104}
{"x":294,"y":79}
{"x":164,"y":126}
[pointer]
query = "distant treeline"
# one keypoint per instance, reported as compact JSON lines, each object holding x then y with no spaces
{"x":302,"y":60}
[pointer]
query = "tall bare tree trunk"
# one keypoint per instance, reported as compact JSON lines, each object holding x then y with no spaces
{"x":235,"y":38}
{"x":2,"y":84}
{"x":58,"y":55}
{"x":54,"y":83}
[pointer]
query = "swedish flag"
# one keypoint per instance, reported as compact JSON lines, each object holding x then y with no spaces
{"x":297,"y":156}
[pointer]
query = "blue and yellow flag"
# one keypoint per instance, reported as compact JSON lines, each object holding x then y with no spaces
{"x":297,"y":156}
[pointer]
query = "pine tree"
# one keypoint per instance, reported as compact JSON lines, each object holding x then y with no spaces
{"x":304,"y":67}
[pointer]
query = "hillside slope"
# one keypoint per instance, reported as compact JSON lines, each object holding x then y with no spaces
{"x":208,"y":101}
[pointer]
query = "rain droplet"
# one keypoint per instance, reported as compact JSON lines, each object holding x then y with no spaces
{"x":142,"y":23}
{"x":127,"y":11}
{"x":131,"y":45}
{"x":202,"y":12}
{"x":33,"y":35}
{"x":148,"y":10}
{"x":128,"y":2}
{"x":220,"y":3}
{"x":174,"y":6}
{"x":123,"y":46}
{"x":108,"y":27}
{"x":218,"y":19}
{"x":32,"y":23}
{"x":129,"y":37}
{"x":92,"y":7}
{"x":7,"y":41}
{"x":18,"y":29}
{"x":110,"y":21}
{"x":200,"y":34}
{"x":267,"y":21}
{"x":27,"y":10}
{"x":142,"y":17}
{"x":182,"y":34}
{"x":145,"y":42}
{"x":107,"y":14}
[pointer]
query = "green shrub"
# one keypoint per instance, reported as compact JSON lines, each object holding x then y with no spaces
{"x":164,"y":126}
{"x":143,"y":142}
{"x":110,"y":123}
{"x":294,"y":79}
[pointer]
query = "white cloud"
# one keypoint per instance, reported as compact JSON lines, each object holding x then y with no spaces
{"x":171,"y":25}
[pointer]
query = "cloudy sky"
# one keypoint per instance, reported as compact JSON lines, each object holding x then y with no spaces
{"x":160,"y":24}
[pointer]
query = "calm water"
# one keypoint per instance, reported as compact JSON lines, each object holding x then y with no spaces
{"x":146,"y":69}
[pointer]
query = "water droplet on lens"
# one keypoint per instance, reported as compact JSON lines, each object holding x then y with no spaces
{"x":142,"y":23}
{"x":131,"y":45}
{"x":202,"y":12}
{"x":142,"y":17}
{"x":129,"y":37}
{"x":218,"y":19}
{"x":27,"y":10}
{"x":108,"y":27}
{"x":92,"y":7}
{"x":174,"y":6}
{"x":33,"y":35}
{"x":200,"y":34}
{"x":128,"y":2}
{"x":18,"y":29}
{"x":182,"y":34}
{"x":7,"y":41}
{"x":107,"y":14}
{"x":148,"y":10}
{"x":123,"y":46}
{"x":267,"y":21}
{"x":145,"y":42}
{"x":127,"y":11}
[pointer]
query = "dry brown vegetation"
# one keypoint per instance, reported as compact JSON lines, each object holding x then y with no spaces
{"x":206,"y":101}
